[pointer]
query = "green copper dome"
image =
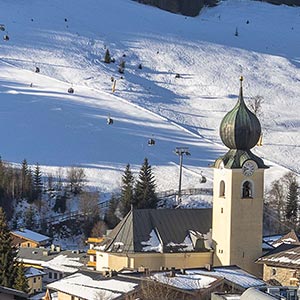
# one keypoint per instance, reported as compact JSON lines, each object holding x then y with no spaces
{"x":240,"y":129}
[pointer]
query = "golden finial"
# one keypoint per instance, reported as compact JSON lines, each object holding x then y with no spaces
{"x":241,"y":80}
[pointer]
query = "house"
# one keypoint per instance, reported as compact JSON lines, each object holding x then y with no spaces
{"x":93,"y":242}
{"x":11,"y":294}
{"x":87,"y":285}
{"x":281,"y":265}
{"x":56,"y":264}
{"x":35,"y":279}
{"x":158,"y":238}
{"x":26,"y":238}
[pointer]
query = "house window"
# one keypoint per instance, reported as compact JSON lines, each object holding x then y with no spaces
{"x":222,"y":189}
{"x":55,"y":275}
{"x":273,"y":271}
{"x":28,"y":245}
{"x":221,"y":210}
{"x":50,"y":275}
{"x":60,"y":275}
{"x":247,"y":190}
{"x":34,"y":280}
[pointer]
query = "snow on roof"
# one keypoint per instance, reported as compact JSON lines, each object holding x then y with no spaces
{"x":186,"y":245}
{"x":31,"y":235}
{"x":63,"y":263}
{"x":31,"y":272}
{"x":84,"y":287}
{"x":190,"y":281}
{"x":286,"y":241}
{"x":153,"y":244}
{"x":233,"y":274}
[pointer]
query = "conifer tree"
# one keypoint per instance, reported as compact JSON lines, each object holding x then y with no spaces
{"x":291,"y":211}
{"x":21,"y":283}
{"x":7,"y":254}
{"x":107,"y":58}
{"x":110,"y":217}
{"x":37,"y":182}
{"x":126,"y":198}
{"x":144,"y":194}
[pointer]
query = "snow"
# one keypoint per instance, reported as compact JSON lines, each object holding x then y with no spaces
{"x":186,"y":245}
{"x":186,"y":282}
{"x":284,"y":241}
{"x":83,"y":286}
{"x":45,"y":124}
{"x":236,"y":275}
{"x":31,"y":235}
{"x":153,"y":244}
{"x":63,"y":263}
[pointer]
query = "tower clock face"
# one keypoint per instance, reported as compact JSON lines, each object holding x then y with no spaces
{"x":249,"y":167}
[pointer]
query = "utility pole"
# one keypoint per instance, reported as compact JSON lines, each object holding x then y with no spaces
{"x":180,"y":151}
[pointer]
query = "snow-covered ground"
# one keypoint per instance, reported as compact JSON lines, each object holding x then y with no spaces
{"x":67,"y":41}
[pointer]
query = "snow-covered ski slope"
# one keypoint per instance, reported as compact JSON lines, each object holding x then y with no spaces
{"x":67,"y":41}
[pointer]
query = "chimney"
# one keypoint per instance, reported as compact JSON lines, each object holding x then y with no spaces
{"x":182,"y":271}
{"x":45,"y":252}
{"x":172,"y":272}
{"x":208,"y":267}
{"x":52,"y":247}
{"x":57,"y":248}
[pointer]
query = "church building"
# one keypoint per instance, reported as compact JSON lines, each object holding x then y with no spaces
{"x":238,"y":191}
{"x":182,"y":238}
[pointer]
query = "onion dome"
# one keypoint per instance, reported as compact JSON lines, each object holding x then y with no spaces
{"x":240,"y":128}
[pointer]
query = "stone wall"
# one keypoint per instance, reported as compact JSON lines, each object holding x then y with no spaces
{"x":284,"y":276}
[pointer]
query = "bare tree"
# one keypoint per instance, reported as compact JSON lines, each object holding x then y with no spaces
{"x":99,"y":229}
{"x":76,"y":179}
{"x":255,"y":104}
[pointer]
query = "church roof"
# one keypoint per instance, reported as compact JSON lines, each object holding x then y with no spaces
{"x":240,"y":128}
{"x":161,"y":230}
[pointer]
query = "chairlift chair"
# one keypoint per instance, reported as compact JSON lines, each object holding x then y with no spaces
{"x":2,"y":27}
{"x":151,"y":142}
{"x":203,"y":179}
{"x":110,"y":121}
{"x":70,"y":90}
{"x":37,"y":70}
{"x":6,"y":37}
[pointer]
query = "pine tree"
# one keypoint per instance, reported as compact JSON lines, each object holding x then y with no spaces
{"x":29,"y":219}
{"x":144,"y":196}
{"x":21,"y":283}
{"x":291,"y":211}
{"x":24,"y":181}
{"x":37,"y":182}
{"x":107,"y":58}
{"x":110,"y":217}
{"x":126,"y":198}
{"x":7,"y":254}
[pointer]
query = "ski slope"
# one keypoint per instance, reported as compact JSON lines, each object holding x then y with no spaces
{"x":67,"y":41}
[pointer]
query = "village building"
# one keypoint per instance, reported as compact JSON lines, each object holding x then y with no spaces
{"x":11,"y":294}
{"x":281,"y":265}
{"x":158,"y":238}
{"x":35,"y":280}
{"x":23,"y":238}
{"x":55,"y":264}
{"x":93,"y":242}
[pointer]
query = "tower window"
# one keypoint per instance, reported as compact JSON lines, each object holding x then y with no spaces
{"x":221,"y":210}
{"x":247,"y":190}
{"x":222,"y":189}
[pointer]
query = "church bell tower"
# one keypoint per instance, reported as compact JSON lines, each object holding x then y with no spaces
{"x":238,"y":191}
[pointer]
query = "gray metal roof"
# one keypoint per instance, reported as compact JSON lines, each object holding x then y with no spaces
{"x":170,"y":225}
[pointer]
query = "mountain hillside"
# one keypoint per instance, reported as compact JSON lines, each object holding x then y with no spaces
{"x":67,"y":40}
